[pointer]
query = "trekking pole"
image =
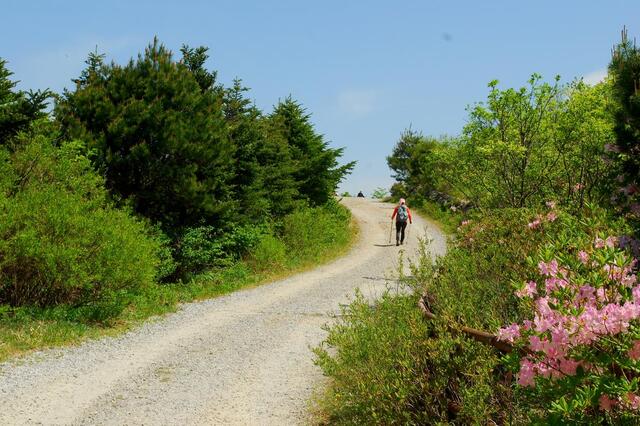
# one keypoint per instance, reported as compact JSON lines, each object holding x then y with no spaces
{"x":390,"y":231}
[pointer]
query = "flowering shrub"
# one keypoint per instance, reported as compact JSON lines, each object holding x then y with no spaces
{"x":578,"y":353}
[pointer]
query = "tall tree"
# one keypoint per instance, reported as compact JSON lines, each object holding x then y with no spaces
{"x":18,"y":109}
{"x":625,"y":71}
{"x":511,"y":157}
{"x":160,"y":139}
{"x":317,"y":170}
{"x":245,"y":132}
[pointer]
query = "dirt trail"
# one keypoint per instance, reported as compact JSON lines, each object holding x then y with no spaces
{"x":238,"y":359}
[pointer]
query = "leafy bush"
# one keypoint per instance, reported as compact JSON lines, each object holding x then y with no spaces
{"x":269,"y":254}
{"x":61,"y":242}
{"x":307,"y":232}
{"x":518,"y":149}
{"x":380,"y":193}
{"x":206,"y":247}
{"x":389,"y":366}
{"x":579,"y":344}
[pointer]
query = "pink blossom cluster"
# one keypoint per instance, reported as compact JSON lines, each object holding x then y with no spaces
{"x":629,"y":401}
{"x":570,"y":313}
{"x":540,"y":219}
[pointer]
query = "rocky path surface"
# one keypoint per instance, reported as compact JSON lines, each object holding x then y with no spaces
{"x":239,"y":359}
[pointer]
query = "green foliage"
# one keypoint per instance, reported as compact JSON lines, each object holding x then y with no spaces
{"x":519,"y":148}
{"x":380,"y":193}
{"x":18,"y":109}
{"x":625,"y":71}
{"x":269,"y":254}
{"x":307,"y":231}
{"x":510,"y":145}
{"x":416,"y":166}
{"x":159,"y":137}
{"x":61,"y":242}
{"x":264,"y":170}
{"x":317,"y":169}
{"x":205,"y":247}
{"x":389,"y":366}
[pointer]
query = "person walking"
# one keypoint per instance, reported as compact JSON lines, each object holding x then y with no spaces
{"x":402,"y":214}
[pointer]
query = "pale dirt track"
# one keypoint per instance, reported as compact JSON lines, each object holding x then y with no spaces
{"x":239,"y":359}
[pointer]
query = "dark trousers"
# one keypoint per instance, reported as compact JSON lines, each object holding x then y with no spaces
{"x":400,"y":227}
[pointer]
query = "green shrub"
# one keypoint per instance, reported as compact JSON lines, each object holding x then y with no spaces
{"x":269,"y":254}
{"x":62,"y":243}
{"x":389,"y":366}
{"x":206,"y":247}
{"x":308,"y":232}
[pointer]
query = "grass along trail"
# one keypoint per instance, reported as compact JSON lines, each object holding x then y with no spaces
{"x":238,"y":359}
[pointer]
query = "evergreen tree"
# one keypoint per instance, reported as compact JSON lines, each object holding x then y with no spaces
{"x":245,"y":133}
{"x":18,"y":109}
{"x":158,"y":136}
{"x":264,"y":181}
{"x":317,"y":171}
{"x":625,"y":70}
{"x":194,"y":59}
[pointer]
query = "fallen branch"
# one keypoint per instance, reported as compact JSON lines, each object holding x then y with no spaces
{"x":479,"y":335}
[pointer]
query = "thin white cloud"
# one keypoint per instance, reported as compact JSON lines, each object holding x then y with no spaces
{"x":357,"y":103}
{"x":595,"y":77}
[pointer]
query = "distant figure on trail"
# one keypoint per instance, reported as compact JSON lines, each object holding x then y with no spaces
{"x":401,"y":213}
{"x":360,"y":194}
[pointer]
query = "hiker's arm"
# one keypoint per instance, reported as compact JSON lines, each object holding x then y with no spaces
{"x":394,"y":213}
{"x":409,"y":214}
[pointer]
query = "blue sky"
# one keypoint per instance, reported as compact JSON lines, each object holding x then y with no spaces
{"x":364,"y":69}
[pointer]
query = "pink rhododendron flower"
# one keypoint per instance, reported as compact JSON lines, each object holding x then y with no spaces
{"x":606,"y":403}
{"x":510,"y":333}
{"x":528,"y":290}
{"x":465,"y":222}
{"x":583,"y":313}
{"x":634,"y":352}
{"x":633,"y":400}
{"x":551,"y":204}
{"x":583,"y":256}
{"x":549,"y":269}
{"x":535,"y":224}
{"x":569,"y":366}
{"x":527,"y":373}
{"x":629,"y":280}
{"x":551,"y":216}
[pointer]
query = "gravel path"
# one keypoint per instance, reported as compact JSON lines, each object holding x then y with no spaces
{"x":238,"y":359}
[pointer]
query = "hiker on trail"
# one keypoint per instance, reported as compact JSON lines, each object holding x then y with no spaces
{"x":360,"y":194}
{"x":401,"y":213}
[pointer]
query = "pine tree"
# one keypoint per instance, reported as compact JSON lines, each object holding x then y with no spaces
{"x":243,"y":124}
{"x":158,"y":136}
{"x":316,"y":165}
{"x":18,"y":109}
{"x":625,"y":70}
